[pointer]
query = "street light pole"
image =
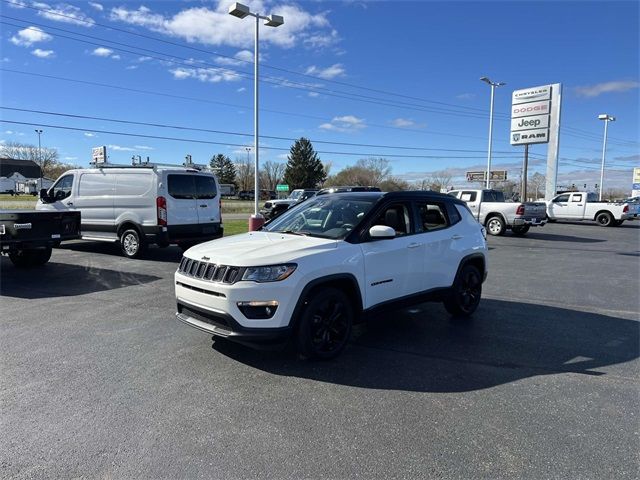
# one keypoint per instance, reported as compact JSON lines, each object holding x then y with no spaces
{"x":607,"y":118}
{"x":493,"y":87}
{"x":39,"y":132}
{"x":241,"y":11}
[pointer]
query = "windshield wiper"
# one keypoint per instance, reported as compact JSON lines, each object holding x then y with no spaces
{"x":292,"y":232}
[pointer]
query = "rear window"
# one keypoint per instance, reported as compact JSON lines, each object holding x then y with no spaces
{"x":181,"y":186}
{"x":192,"y":186}
{"x":205,"y":187}
{"x":492,"y":196}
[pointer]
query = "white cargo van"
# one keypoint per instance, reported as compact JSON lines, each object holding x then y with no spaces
{"x":140,"y":205}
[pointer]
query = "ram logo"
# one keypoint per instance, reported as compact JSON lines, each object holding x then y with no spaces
{"x":516,"y":137}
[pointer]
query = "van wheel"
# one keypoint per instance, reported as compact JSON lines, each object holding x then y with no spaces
{"x":131,"y":243}
{"x":465,"y":294}
{"x":496,"y":226}
{"x":325,"y":325}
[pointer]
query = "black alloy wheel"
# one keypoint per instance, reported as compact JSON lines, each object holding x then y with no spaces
{"x":605,"y":219}
{"x":325,"y":326}
{"x":466,"y":293}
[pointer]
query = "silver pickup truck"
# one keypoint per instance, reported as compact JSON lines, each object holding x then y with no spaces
{"x":497,"y":215}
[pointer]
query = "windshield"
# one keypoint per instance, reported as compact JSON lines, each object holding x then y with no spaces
{"x":326,"y":217}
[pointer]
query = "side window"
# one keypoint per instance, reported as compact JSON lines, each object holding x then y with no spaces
{"x":62,"y":188}
{"x":561,"y":199}
{"x":205,"y":187}
{"x":396,"y":216}
{"x":432,"y":216}
{"x":469,"y":196}
{"x":182,"y":186}
{"x":95,"y":184}
{"x":576,"y":197}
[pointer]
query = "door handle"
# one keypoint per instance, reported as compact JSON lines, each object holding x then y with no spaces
{"x":70,"y":204}
{"x":579,"y":204}
{"x":456,"y":237}
{"x":203,"y":206}
{"x":414,"y":245}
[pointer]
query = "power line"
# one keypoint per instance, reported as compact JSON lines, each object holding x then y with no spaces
{"x":249,"y":108}
{"x":265,"y":65}
{"x":209,"y":142}
{"x":185,"y":62}
{"x":223,"y":132}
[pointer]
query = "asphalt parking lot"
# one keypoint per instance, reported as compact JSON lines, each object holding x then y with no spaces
{"x":99,"y":379}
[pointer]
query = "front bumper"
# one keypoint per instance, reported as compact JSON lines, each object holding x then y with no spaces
{"x":221,"y":324}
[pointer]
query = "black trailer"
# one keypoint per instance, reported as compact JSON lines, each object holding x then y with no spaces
{"x":27,"y":236}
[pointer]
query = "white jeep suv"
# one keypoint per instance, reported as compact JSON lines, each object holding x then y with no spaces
{"x":319,"y":267}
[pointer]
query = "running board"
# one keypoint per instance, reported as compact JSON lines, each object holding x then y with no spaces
{"x":99,"y":239}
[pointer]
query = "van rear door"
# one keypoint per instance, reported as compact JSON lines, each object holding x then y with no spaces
{"x":182,"y":205}
{"x":207,"y":199}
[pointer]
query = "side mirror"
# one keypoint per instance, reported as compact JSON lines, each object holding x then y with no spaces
{"x":381,"y":232}
{"x":44,"y":196}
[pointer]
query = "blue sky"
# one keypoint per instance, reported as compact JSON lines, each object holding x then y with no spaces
{"x":381,"y":74}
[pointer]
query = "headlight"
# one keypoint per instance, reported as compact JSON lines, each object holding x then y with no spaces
{"x":271,"y":273}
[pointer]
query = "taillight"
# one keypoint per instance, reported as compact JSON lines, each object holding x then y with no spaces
{"x":520,"y":210}
{"x":625,"y":209}
{"x":161,"y":204}
{"x":220,"y":207}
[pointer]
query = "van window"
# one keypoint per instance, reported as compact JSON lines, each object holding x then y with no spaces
{"x":205,"y":187}
{"x":62,"y":188}
{"x":181,"y":186}
{"x":95,"y":184}
{"x":133,"y":184}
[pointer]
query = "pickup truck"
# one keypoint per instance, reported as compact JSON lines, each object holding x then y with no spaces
{"x":27,"y":236}
{"x":491,"y":210}
{"x":585,"y":206}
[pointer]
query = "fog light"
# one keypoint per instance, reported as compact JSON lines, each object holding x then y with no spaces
{"x":258,"y":310}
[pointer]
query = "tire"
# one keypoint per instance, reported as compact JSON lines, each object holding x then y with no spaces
{"x":551,"y":220}
{"x":495,"y":226}
{"x":605,"y":219}
{"x":30,"y":258}
{"x":466,"y":292}
{"x":617,"y":223}
{"x":132,"y":244}
{"x":520,"y":230}
{"x":325,"y":324}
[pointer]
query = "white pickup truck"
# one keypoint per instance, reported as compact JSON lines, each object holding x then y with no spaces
{"x":491,"y":210}
{"x":585,"y":206}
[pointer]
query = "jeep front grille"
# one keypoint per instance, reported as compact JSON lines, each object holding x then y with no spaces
{"x":209,"y":271}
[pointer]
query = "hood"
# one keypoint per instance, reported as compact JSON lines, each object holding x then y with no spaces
{"x":259,"y":248}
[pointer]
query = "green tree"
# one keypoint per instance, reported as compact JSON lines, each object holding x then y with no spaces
{"x":304,"y":168}
{"x":223,"y":168}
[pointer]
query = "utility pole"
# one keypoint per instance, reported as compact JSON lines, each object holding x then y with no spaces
{"x":523,"y":189}
{"x":39,"y":132}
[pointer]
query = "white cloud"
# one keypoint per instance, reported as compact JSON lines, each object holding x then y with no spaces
{"x":102,"y":52}
{"x":115,"y":57}
{"x":119,"y":148}
{"x":590,"y":91}
{"x":17,"y":4}
{"x":466,"y":96}
{"x":144,"y":59}
{"x":211,"y":75}
{"x":43,"y":53}
{"x":241,"y":89}
{"x":63,"y":12}
{"x":335,"y":70}
{"x":131,"y":67}
{"x":214,"y":26}
{"x":313,"y":94}
{"x":346,"y":123}
{"x":97,"y":6}
{"x":405,"y":123}
{"x":89,"y":134}
{"x":29,"y":36}
{"x":241,"y":58}
{"x":143,"y":147}
{"x":69,"y":159}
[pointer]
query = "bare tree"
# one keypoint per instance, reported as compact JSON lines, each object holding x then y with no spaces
{"x":21,"y":151}
{"x":245,"y":174}
{"x":271,"y":174}
{"x":537,"y":183}
{"x":438,"y":180}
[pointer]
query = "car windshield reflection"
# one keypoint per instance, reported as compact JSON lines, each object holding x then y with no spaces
{"x":328,"y":217}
